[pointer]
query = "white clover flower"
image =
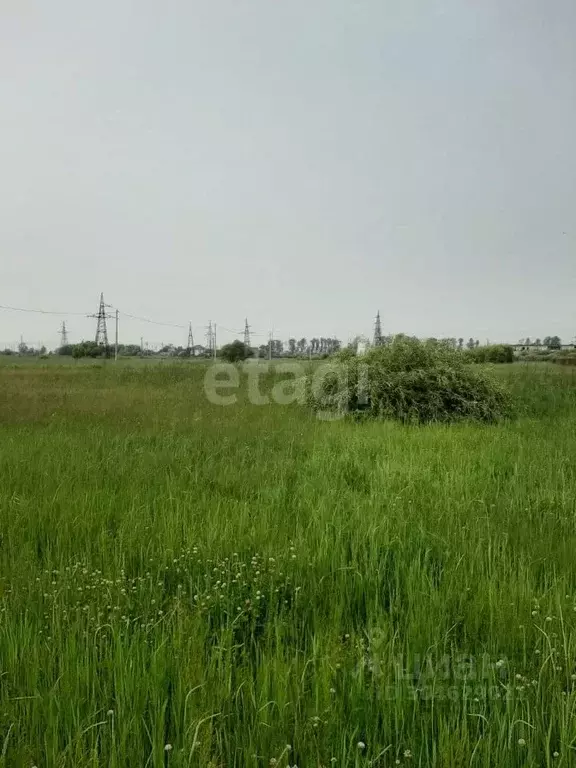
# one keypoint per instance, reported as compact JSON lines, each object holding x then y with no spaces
{"x":168,"y":748}
{"x":521,"y":742}
{"x":361,"y":745}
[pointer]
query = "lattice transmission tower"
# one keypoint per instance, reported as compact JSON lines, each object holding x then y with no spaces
{"x":190,"y":345}
{"x":63,"y":336}
{"x":101,"y":329}
{"x":377,"y":331}
{"x":246,"y":333}
{"x":210,"y":339}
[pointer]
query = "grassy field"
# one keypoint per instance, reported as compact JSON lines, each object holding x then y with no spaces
{"x":184,"y":584}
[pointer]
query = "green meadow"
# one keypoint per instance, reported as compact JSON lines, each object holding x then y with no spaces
{"x":187,"y":584}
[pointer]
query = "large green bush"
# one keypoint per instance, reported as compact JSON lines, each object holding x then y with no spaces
{"x":409,"y":380}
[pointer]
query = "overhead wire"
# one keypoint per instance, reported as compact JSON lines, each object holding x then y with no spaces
{"x":129,"y":315}
{"x":40,"y":311}
{"x":152,"y":322}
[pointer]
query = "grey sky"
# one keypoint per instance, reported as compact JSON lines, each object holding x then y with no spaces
{"x":303,"y":163}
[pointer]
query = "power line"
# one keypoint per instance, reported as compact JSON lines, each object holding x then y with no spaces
{"x":152,"y":322}
{"x":40,"y":311}
{"x":238,"y":331}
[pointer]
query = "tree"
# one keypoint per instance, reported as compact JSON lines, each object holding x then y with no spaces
{"x":470,"y":344}
{"x":554,"y":342}
{"x":292,"y":346}
{"x":236,"y":351}
{"x":460,"y":343}
{"x":538,"y":342}
{"x":88,"y":349}
{"x":302,"y":345}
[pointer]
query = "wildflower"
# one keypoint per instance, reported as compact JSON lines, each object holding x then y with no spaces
{"x":273,"y":761}
{"x":548,"y":619}
{"x":534,"y":613}
{"x":361,"y":745}
{"x":168,"y":748}
{"x":521,"y":743}
{"x":555,"y":754}
{"x":332,"y":690}
{"x":407,"y":754}
{"x":110,"y":713}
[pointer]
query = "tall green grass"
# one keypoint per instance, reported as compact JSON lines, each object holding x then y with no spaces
{"x":183,"y":584}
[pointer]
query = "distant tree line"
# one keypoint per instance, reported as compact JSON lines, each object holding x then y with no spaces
{"x":24,"y":350}
{"x":549,"y":342}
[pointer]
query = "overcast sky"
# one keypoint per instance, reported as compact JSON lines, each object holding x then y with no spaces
{"x":303,"y":163}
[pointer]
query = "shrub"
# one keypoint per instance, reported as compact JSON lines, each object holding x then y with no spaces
{"x":236,"y":351}
{"x":494,"y":353}
{"x":409,"y":380}
{"x":565,"y":358}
